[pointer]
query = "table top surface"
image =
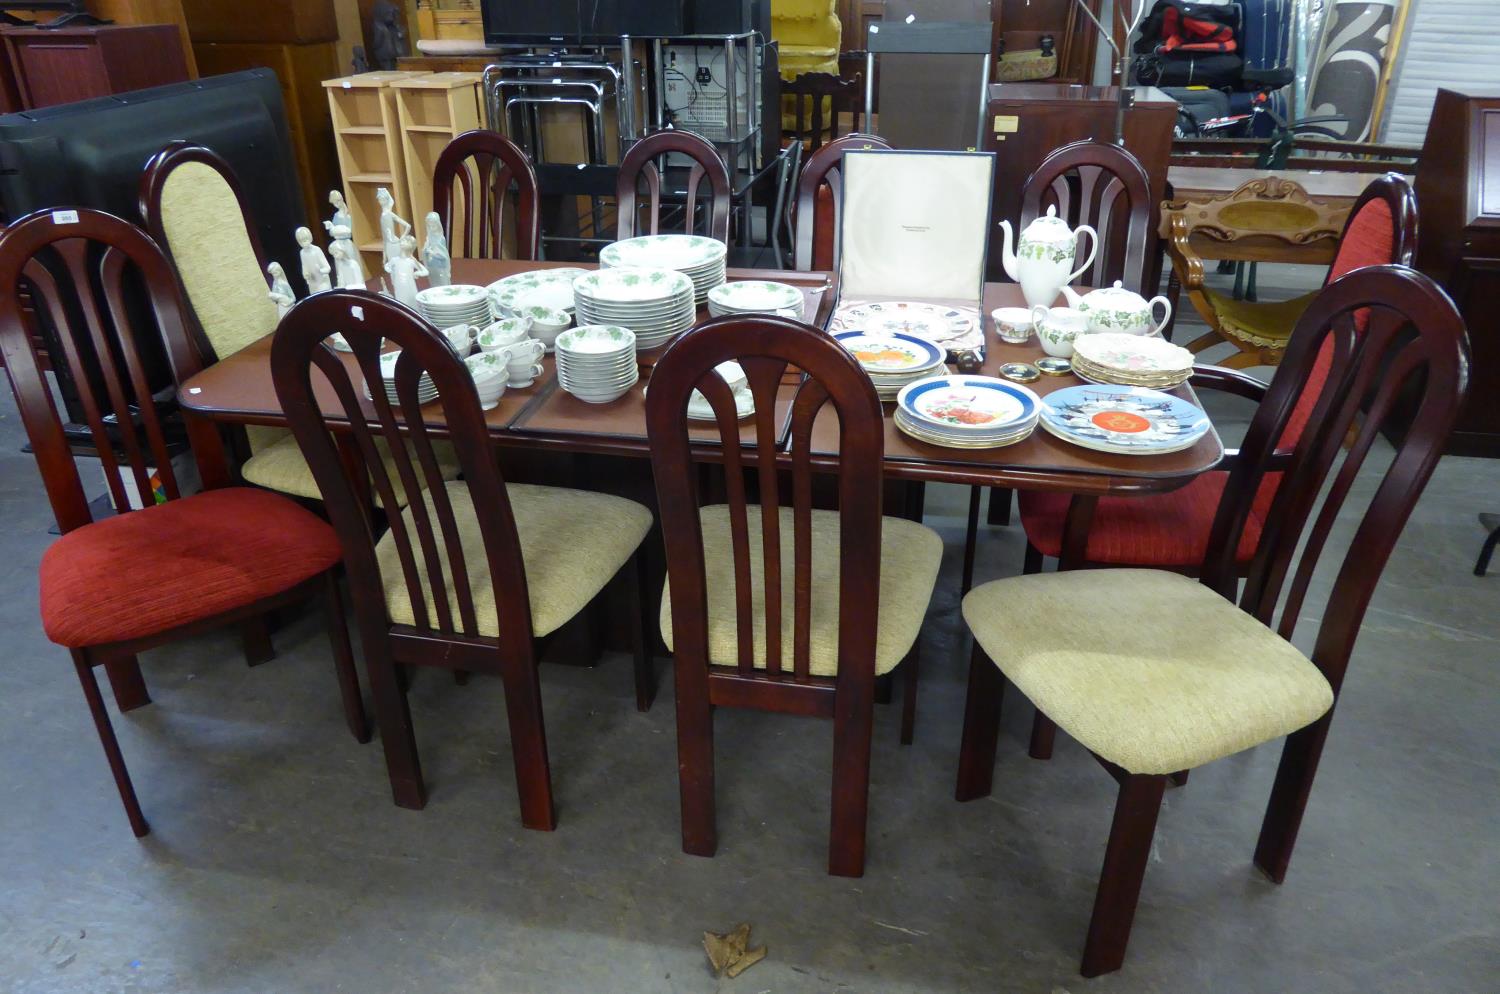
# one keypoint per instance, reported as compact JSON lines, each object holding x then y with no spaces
{"x":239,"y":390}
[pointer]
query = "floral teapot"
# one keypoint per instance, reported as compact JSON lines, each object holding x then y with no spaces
{"x":1115,"y":308}
{"x":1042,"y":260}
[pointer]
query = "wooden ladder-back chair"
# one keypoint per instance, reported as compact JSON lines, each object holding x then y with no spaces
{"x":484,"y":166}
{"x":812,"y":94}
{"x":185,"y":563}
{"x":640,"y":166}
{"x":467,"y":578}
{"x":1104,"y":186}
{"x":1176,"y":673}
{"x":774,"y":606}
{"x":819,"y":190}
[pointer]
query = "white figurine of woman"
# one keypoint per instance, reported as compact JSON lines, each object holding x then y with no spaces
{"x":281,"y":290}
{"x":435,"y":252}
{"x":348,"y":274}
{"x":315,"y":268}
{"x":393,"y":228}
{"x":404,"y":270}
{"x":343,"y":236}
{"x":340,"y":212}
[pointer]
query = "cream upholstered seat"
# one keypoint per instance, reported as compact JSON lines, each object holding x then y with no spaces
{"x":572,"y":542}
{"x":1150,"y":670}
{"x":910,"y":554}
{"x":281,"y":466}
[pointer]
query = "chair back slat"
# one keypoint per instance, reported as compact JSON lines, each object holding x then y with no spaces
{"x":78,"y":275}
{"x":428,"y":536}
{"x":817,"y":89}
{"x":639,"y":163}
{"x":1398,"y":344}
{"x":486,"y":166}
{"x":1105,"y":187}
{"x":768,"y":349}
{"x":824,"y":168}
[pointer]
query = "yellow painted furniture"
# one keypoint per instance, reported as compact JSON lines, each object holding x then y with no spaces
{"x":807,"y":34}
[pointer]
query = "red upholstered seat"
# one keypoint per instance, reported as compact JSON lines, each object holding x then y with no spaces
{"x":1167,"y":530}
{"x":153,"y":570}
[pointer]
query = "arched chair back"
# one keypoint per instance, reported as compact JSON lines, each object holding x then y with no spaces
{"x":474,"y":177}
{"x":643,"y":164}
{"x":1105,"y":187}
{"x":193,"y":206}
{"x":1398,"y":344}
{"x":819,"y":198}
{"x":84,"y":275}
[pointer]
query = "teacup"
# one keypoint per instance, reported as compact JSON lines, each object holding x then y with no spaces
{"x":1012,"y":324}
{"x":506,"y":331}
{"x":1057,"y":327}
{"x":490,"y":377}
{"x":522,"y":362}
{"x":546,"y":323}
{"x":461,"y":337}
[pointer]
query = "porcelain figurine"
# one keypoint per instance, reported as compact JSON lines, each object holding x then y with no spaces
{"x":404,"y":270}
{"x":1042,"y":260}
{"x":348,"y":274}
{"x":341,"y":216}
{"x":315,"y":268}
{"x":281,"y":290}
{"x":435,"y":252}
{"x":393,"y":227}
{"x":1115,"y":308}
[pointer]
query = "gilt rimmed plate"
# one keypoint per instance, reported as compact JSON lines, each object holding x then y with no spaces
{"x":968,"y":405}
{"x":891,"y":353}
{"x":1124,"y":420}
{"x":935,"y":322}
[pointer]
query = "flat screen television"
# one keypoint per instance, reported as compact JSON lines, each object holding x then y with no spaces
{"x":91,"y":154}
{"x":564,"y":23}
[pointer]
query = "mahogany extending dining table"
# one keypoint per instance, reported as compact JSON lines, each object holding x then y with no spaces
{"x":543,"y":417}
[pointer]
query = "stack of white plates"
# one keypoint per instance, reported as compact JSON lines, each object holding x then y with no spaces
{"x":700,"y":259}
{"x":967,"y":412}
{"x":1131,"y":360}
{"x":457,"y":303}
{"x":596,"y":363}
{"x":426,"y":389}
{"x":550,"y":288}
{"x":892,"y":359}
{"x":656,"y":304}
{"x":755,"y":297}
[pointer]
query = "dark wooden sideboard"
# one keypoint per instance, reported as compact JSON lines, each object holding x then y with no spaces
{"x":67,"y":64}
{"x":1458,"y":244}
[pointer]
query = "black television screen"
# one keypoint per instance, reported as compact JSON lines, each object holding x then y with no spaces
{"x":578,"y":22}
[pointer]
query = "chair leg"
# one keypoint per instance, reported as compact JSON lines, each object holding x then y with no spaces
{"x":971,"y":540}
{"x":999,"y":512}
{"x":1043,"y":736}
{"x":642,"y":636}
{"x":387,"y":680}
{"x":910,"y":667}
{"x":1125,"y":859}
{"x":1245,"y":360}
{"x":1033,"y":563}
{"x":695,"y":761}
{"x":976,"y":753}
{"x":528,"y":746}
{"x":883,"y":691}
{"x":85,"y":668}
{"x":1492,"y":522}
{"x":343,"y":660}
{"x":126,"y":682}
{"x":255,"y":636}
{"x":1294,"y":779}
{"x":853,"y":720}
{"x":1205,"y":342}
{"x":1179,"y":779}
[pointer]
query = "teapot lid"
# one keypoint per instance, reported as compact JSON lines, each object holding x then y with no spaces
{"x":1049,"y":227}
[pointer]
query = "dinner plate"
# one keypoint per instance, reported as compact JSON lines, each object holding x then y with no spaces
{"x":915,"y":430}
{"x":665,"y":252}
{"x":1123,"y":420}
{"x":935,"y":322}
{"x":631,"y":285}
{"x":891,"y":353}
{"x":550,"y":288}
{"x":967,"y":405}
{"x":1141,"y":355}
{"x":754,"y":297}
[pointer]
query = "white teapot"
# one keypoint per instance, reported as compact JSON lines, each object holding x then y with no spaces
{"x":1042,"y":261}
{"x":1115,"y":308}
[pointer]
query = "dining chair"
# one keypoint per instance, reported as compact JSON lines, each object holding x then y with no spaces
{"x":1171,"y":530}
{"x":639,"y":166}
{"x":819,"y":198}
{"x":486,"y":165}
{"x":774,"y":606}
{"x":1154,"y":672}
{"x":818,"y":100}
{"x":191,"y":200}
{"x":1104,"y":186}
{"x":470,"y":577}
{"x":186,"y":562}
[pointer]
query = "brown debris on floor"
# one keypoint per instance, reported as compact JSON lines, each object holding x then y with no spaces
{"x":728,"y":952}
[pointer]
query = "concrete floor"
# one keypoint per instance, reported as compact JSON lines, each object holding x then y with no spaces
{"x":278,"y":864}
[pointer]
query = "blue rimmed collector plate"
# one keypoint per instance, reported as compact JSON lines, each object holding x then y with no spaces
{"x":890,"y":352}
{"x":1123,"y":420}
{"x":968,"y":404}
